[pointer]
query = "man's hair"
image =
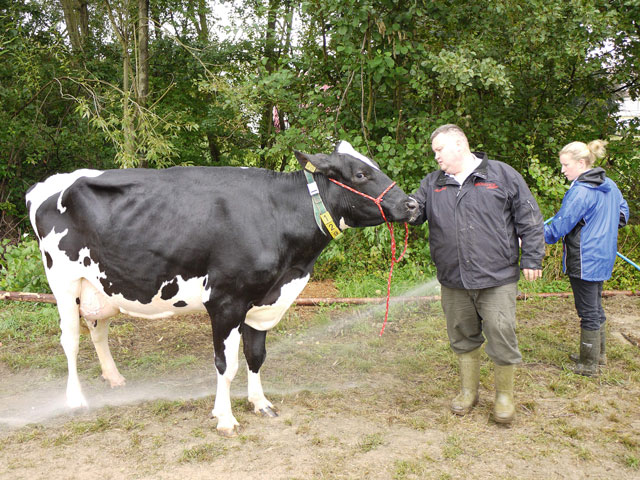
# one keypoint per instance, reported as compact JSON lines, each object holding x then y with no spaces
{"x":451,"y":129}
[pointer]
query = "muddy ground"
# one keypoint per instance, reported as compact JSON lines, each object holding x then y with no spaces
{"x":352,"y":405}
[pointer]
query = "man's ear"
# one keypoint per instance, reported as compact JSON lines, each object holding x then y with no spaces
{"x":318,"y":162}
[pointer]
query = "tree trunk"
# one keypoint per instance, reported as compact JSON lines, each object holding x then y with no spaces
{"x":143,"y":49}
{"x":203,"y":34}
{"x":76,"y":19}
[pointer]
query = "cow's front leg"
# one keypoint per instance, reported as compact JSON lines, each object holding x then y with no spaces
{"x":226,"y":343}
{"x":255,"y":354}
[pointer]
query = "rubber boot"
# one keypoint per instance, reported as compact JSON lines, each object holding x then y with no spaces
{"x":469,"y":379}
{"x":589,"y":353}
{"x":602,"y":359}
{"x":504,"y":409}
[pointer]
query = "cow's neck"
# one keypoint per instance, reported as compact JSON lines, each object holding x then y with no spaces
{"x":299,"y":221}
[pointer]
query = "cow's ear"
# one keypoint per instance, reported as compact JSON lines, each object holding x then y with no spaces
{"x":318,"y":162}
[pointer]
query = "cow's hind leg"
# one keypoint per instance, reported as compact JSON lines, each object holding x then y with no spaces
{"x":255,"y":354}
{"x":68,"y":300}
{"x":96,"y":311}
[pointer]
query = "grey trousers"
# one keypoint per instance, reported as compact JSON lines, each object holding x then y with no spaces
{"x":473,"y":315}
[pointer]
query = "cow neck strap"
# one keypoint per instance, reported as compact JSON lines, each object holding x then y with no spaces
{"x":320,"y":213}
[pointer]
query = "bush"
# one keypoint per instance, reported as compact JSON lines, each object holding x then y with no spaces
{"x":21,"y":267}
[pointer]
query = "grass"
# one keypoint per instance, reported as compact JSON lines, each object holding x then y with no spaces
{"x":347,"y":398}
{"x":205,"y":452}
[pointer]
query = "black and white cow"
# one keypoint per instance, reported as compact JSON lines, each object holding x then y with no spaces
{"x":238,"y":242}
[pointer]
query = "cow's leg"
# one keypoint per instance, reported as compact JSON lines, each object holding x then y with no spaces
{"x":225,"y":323}
{"x":255,"y":353}
{"x":99,"y":330}
{"x":68,"y":300}
{"x":96,"y":311}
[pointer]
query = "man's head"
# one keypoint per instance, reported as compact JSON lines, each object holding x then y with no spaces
{"x":451,"y":148}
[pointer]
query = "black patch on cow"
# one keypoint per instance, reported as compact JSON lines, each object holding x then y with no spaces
{"x":169,"y":290}
{"x":77,"y":300}
{"x":49,"y":260}
{"x":95,"y":324}
{"x":179,"y":304}
{"x":87,"y":261}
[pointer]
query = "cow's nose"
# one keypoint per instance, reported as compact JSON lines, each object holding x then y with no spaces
{"x":411,"y":204}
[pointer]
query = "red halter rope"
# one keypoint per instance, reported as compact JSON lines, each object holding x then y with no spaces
{"x":394,"y":260}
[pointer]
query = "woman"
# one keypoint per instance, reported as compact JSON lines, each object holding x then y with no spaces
{"x":592,"y":211}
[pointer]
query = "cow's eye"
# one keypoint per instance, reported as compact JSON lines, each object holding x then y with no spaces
{"x":360,"y":176}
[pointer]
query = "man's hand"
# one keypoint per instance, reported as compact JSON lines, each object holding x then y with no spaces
{"x":531,"y":274}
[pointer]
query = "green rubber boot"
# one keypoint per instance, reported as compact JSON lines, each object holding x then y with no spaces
{"x":469,"y":379}
{"x":589,"y":353}
{"x":504,"y":409}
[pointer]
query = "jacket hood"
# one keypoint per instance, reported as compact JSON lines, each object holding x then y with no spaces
{"x":595,"y":178}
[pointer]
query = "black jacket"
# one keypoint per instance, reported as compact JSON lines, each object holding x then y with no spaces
{"x":474,"y":228}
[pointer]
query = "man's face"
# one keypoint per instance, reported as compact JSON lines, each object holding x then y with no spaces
{"x":449,"y":152}
{"x":570,"y":168}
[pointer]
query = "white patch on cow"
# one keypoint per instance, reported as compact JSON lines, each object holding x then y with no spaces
{"x":255,"y":393}
{"x":346,"y":148}
{"x":56,"y":184}
{"x":343,"y":224}
{"x":265,"y":317}
{"x":191,"y":292}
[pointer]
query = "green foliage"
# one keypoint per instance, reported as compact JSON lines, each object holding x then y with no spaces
{"x":21,"y":267}
{"x":27,"y":321}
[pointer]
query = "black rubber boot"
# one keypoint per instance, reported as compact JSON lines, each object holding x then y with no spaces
{"x":589,"y":353}
{"x":602,"y":360}
{"x":603,"y":347}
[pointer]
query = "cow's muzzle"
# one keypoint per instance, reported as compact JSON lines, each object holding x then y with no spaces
{"x":413,"y":209}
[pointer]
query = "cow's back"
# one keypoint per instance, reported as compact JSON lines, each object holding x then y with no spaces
{"x":143,"y":234}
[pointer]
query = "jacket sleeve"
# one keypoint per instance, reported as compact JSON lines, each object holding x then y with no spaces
{"x":624,"y":213}
{"x":574,"y":207}
{"x":420,"y":196}
{"x":529,"y":226}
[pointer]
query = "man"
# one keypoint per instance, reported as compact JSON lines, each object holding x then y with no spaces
{"x":479,"y":210}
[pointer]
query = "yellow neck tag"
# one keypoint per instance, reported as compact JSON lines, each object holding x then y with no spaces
{"x":330,"y":224}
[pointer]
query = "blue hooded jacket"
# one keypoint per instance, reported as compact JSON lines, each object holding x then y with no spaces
{"x":592,"y":211}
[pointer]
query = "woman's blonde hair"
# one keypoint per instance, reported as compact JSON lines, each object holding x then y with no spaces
{"x":588,"y":152}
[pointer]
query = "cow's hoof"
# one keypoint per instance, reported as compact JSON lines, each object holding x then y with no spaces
{"x":267,"y":412}
{"x":115,"y":381}
{"x":228,"y":432}
{"x":77,"y":402}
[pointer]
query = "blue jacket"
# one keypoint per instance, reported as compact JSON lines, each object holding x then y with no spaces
{"x":592,"y":211}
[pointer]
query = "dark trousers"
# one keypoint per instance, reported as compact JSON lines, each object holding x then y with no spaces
{"x":588,"y":300}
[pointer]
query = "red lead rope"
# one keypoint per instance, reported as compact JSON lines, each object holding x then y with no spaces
{"x":394,"y":260}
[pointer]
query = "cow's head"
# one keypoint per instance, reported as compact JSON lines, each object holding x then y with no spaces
{"x":353,"y":169}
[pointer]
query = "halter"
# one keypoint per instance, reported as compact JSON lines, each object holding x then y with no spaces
{"x":378,"y":201}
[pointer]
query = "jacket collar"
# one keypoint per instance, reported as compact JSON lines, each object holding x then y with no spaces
{"x":480,"y":171}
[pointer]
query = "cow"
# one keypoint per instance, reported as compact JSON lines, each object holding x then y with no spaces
{"x":237,"y":242}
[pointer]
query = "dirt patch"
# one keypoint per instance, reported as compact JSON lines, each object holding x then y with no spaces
{"x":352,"y":404}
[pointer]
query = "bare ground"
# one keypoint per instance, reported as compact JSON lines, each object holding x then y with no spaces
{"x":352,"y":405}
